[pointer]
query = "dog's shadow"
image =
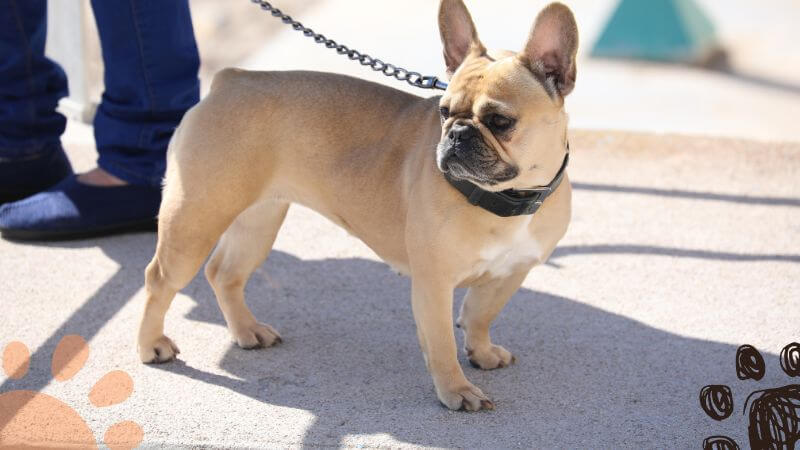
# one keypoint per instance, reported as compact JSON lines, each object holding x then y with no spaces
{"x":350,"y":356}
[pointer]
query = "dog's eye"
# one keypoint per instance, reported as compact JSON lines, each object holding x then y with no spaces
{"x":444,"y":112}
{"x":499,"y":123}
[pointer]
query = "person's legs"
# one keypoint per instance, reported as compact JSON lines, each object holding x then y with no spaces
{"x":31,"y":158}
{"x":151,"y":65}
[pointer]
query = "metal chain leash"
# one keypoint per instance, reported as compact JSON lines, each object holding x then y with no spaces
{"x":390,"y":70}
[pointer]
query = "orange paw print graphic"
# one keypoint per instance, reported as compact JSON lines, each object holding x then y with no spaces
{"x":33,"y":419}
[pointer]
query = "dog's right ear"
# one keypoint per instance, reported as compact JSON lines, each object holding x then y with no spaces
{"x":458,"y":34}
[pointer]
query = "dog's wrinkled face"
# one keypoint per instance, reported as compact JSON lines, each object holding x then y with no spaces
{"x":475,"y":127}
{"x":503,"y":121}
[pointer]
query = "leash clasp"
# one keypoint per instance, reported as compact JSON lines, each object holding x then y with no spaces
{"x":431,"y":82}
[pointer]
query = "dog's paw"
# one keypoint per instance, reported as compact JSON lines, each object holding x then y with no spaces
{"x":159,"y":351}
{"x":257,"y":335}
{"x":464,"y":397}
{"x":491,"y":357}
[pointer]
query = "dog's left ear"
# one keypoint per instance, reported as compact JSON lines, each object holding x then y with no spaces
{"x":551,"y":48}
{"x":458,"y":34}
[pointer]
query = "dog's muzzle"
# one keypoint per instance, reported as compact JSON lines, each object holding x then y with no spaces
{"x":464,"y":154}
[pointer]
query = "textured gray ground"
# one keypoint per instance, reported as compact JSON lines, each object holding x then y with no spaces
{"x":680,"y":250}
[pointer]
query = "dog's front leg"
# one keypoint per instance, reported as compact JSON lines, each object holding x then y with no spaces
{"x":481,"y":305}
{"x":432,"y":302}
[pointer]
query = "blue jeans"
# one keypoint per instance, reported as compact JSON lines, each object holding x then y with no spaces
{"x":151,"y":64}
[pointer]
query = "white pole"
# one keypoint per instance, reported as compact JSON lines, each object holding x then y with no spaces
{"x":66,"y":44}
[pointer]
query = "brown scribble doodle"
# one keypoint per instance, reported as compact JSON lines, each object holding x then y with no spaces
{"x":719,"y":443}
{"x":790,"y":359}
{"x":749,"y":363}
{"x":717,"y":401}
{"x":774,"y":414}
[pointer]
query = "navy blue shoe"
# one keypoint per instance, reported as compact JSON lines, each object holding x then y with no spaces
{"x":73,"y":210}
{"x":23,"y":178}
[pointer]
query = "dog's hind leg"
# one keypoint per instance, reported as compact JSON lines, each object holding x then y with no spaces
{"x":188,"y":227}
{"x":242,"y":248}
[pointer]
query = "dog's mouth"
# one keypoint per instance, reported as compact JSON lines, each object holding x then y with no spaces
{"x":481,"y":167}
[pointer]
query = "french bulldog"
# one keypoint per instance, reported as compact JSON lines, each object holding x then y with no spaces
{"x":439,"y":187}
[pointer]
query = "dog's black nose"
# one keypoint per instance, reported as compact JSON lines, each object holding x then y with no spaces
{"x":461,"y":132}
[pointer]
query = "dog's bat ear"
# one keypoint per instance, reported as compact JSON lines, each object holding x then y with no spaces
{"x":458,"y":34}
{"x":551,"y":48}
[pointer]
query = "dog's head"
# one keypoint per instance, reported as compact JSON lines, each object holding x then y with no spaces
{"x":503,"y":119}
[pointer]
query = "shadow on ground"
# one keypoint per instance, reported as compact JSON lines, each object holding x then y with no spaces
{"x":761,"y":81}
{"x":584,"y":376}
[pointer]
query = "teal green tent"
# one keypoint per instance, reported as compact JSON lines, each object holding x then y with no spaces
{"x":663,"y":30}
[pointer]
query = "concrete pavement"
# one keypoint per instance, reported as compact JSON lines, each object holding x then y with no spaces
{"x":680,"y":250}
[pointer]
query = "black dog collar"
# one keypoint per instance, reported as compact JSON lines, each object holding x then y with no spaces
{"x":510,"y":202}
